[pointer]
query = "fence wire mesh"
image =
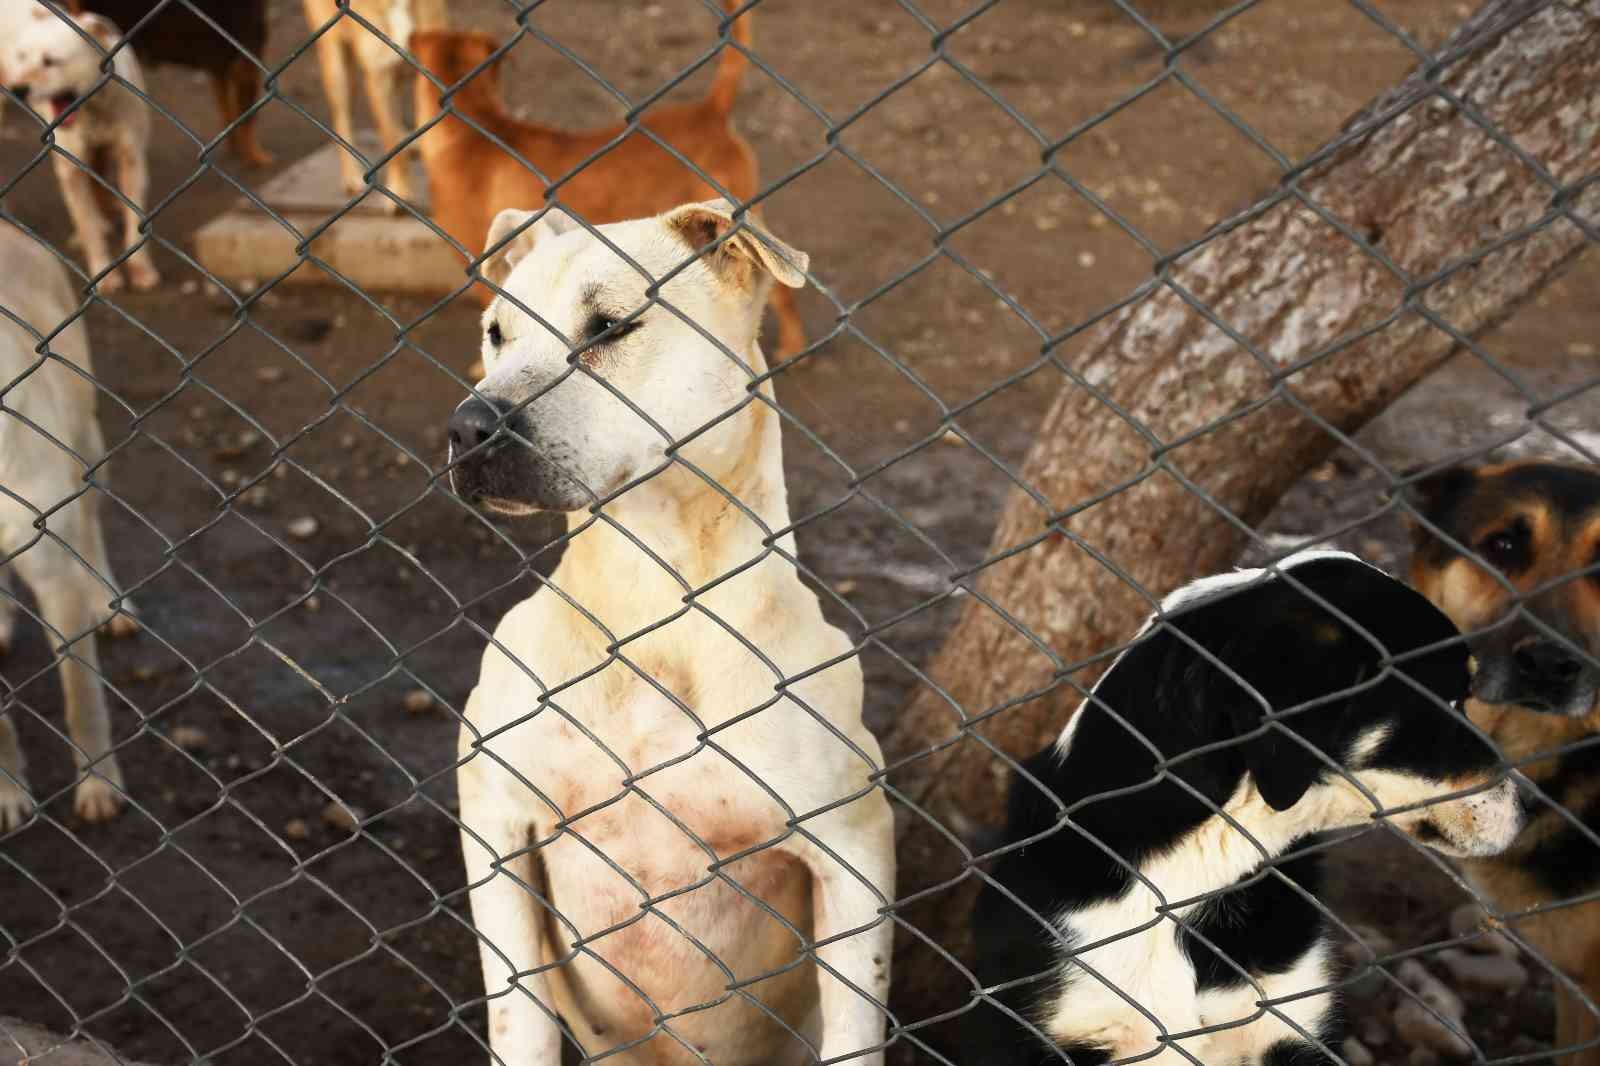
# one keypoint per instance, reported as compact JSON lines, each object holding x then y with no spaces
{"x":282,"y":882}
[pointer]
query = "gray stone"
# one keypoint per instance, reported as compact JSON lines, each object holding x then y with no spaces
{"x":40,"y":1047}
{"x":1489,"y":973}
{"x":1419,"y":1028}
{"x":1355,"y":1053}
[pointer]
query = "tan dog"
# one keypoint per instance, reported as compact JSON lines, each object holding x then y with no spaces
{"x":65,"y":567}
{"x":665,"y":809}
{"x":1530,"y":601}
{"x":383,"y":73}
{"x":54,"y":67}
{"x":470,"y":177}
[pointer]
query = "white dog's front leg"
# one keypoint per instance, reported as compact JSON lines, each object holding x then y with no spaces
{"x":133,"y":178}
{"x":502,"y":876}
{"x":77,"y":191}
{"x":853,"y":885}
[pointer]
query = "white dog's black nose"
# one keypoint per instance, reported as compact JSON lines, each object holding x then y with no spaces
{"x":474,"y":422}
{"x":20,"y":92}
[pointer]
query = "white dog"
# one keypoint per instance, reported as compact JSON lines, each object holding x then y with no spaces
{"x":62,"y":557}
{"x":54,"y":66}
{"x":383,"y":71}
{"x":665,"y":780}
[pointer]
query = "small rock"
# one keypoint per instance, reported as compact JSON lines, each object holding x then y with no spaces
{"x":1368,"y":943}
{"x":338,"y":816}
{"x":1471,"y":919}
{"x":189,"y":738}
{"x":1355,"y":1053}
{"x":1580,"y":350}
{"x":950,"y":436}
{"x":1432,"y":991}
{"x":1419,"y":1027}
{"x":296,"y":829}
{"x":269,"y":375}
{"x":1085,"y":260}
{"x":228,"y":478}
{"x":1373,"y":1030}
{"x":258,"y":497}
{"x":197,"y":412}
{"x":1488,"y":973}
{"x":303,"y":528}
{"x":418,"y":701}
{"x":313,"y":604}
{"x":845,"y":587}
{"x":189,"y":287}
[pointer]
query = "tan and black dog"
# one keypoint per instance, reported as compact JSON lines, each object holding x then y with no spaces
{"x":1530,"y":603}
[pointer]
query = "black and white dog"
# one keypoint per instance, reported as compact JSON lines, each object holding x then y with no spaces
{"x":1132,"y":903}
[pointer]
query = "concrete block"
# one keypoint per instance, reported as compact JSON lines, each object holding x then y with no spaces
{"x":371,"y":248}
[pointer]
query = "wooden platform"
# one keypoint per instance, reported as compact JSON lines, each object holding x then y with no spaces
{"x":372,"y":248}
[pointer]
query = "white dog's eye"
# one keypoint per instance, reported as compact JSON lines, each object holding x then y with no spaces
{"x":496,"y":338}
{"x":599,"y":324}
{"x":48,"y":61}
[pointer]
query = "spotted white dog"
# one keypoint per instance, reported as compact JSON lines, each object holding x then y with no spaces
{"x":55,"y":66}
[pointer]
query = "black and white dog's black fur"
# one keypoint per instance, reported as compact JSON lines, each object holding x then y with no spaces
{"x":1099,"y":970}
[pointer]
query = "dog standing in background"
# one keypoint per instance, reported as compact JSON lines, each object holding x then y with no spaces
{"x":177,"y":34}
{"x":471,"y":177}
{"x":65,"y":564}
{"x":383,"y":73}
{"x":102,"y":125}
{"x":1509,"y":552}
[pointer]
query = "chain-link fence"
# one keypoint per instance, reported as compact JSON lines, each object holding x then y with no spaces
{"x":679,"y":833}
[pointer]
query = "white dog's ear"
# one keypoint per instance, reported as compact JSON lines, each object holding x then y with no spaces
{"x":101,"y":29}
{"x":702,"y":223}
{"x":497,"y":268}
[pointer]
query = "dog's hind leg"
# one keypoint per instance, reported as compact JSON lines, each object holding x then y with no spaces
{"x":8,"y":609}
{"x":237,"y":86}
{"x":333,"y":60}
{"x":1576,"y":1021}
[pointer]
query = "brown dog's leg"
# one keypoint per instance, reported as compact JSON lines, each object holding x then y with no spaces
{"x":1576,"y":1023}
{"x":791,"y":334}
{"x":237,"y":88}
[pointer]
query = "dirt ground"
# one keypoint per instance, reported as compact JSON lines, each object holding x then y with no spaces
{"x":205,"y":922}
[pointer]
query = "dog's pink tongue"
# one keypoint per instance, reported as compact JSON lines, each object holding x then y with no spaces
{"x":58,"y":107}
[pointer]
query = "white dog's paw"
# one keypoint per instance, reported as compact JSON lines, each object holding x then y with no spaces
{"x":122,"y":625}
{"x":141,"y":275}
{"x":96,"y":799}
{"x":112,"y":282}
{"x":15,"y":804}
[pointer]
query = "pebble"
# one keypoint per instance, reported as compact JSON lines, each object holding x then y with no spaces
{"x":257,"y":497}
{"x":189,"y":738}
{"x":1470,"y":920}
{"x":419,"y":701}
{"x":338,"y":816}
{"x":269,"y":375}
{"x":950,"y":436}
{"x":1432,"y":991}
{"x":303,"y":528}
{"x":296,"y":829}
{"x":1418,"y":1027}
{"x":1355,"y":1053}
{"x":1488,"y":973}
{"x":845,"y":587}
